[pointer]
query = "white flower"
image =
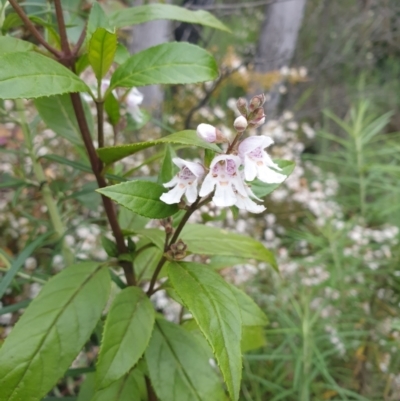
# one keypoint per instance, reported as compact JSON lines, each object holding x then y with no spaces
{"x":133,"y":100}
{"x":245,"y":202}
{"x":185,"y":182}
{"x":225,"y":177}
{"x":256,"y":161}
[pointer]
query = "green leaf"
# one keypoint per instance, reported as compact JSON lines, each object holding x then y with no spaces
{"x":168,"y":168}
{"x":214,"y":307}
{"x":179,"y":367}
{"x":87,"y":388}
{"x":12,"y":20}
{"x":19,"y":261}
{"x":109,"y":246}
{"x":207,"y":240}
{"x":168,"y":63}
{"x":187,"y":137}
{"x":146,"y":261}
{"x":97,"y":19}
{"x":52,"y":331}
{"x":58,"y":114}
{"x":127,"y":333}
{"x":253,"y":337}
{"x":251,"y":313}
{"x":122,"y":54}
{"x":141,"y":197}
{"x":9,"y":44}
{"x":262,"y":189}
{"x":151,"y":12}
{"x":111,"y":106}
{"x":31,"y":75}
{"x":127,"y":388}
{"x":102,"y":47}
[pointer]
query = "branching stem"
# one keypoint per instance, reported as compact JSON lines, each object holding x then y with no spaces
{"x":32,"y":29}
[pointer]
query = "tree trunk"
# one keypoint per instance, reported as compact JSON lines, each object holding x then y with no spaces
{"x":146,"y":35}
{"x":278,"y":38}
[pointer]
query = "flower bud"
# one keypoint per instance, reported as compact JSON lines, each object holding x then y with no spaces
{"x":210,"y":134}
{"x":257,"y":101}
{"x":207,"y":132}
{"x":240,"y":124}
{"x":257,"y":118}
{"x":257,"y":123}
{"x":241,"y":105}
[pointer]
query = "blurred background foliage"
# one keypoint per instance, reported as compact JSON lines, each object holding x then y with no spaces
{"x":334,"y":330}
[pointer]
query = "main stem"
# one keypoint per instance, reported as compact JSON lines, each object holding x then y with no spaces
{"x":48,"y":199}
{"x":87,"y":140}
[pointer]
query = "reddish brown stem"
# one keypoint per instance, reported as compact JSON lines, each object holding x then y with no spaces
{"x":96,"y":167}
{"x":32,"y":29}
{"x":174,"y":238}
{"x":62,"y":30}
{"x":80,"y":41}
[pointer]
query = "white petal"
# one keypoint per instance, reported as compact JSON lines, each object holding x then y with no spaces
{"x":174,"y":195}
{"x":239,"y":185}
{"x":268,"y":162}
{"x":191,"y":192}
{"x":134,"y":97}
{"x":253,"y":142}
{"x":219,"y":158}
{"x":171,"y":183}
{"x":252,"y":207}
{"x":196,"y":168}
{"x":250,"y":169}
{"x":208,"y":185}
{"x":269,"y":176}
{"x":224,"y":195}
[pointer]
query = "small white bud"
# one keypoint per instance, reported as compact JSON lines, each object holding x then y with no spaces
{"x":210,"y":134}
{"x":240,"y":124}
{"x":207,"y":132}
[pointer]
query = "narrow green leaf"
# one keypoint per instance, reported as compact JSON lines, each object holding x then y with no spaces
{"x":58,"y":114}
{"x":187,"y":137}
{"x":151,"y":12}
{"x":179,"y":367}
{"x":251,"y":313}
{"x":52,"y":331}
{"x":127,"y":388}
{"x":9,"y":44}
{"x":111,"y":106}
{"x":168,"y":168}
{"x":110,"y":247}
{"x":97,"y":19}
{"x":261,"y":189}
{"x":127,"y":333}
{"x":168,"y":63}
{"x":141,"y":197}
{"x":31,"y":75}
{"x":12,"y":20}
{"x":15,"y":307}
{"x":19,"y":261}
{"x":102,"y":47}
{"x":206,"y":240}
{"x":214,"y":307}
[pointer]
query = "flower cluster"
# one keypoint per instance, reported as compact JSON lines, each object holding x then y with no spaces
{"x":228,"y":175}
